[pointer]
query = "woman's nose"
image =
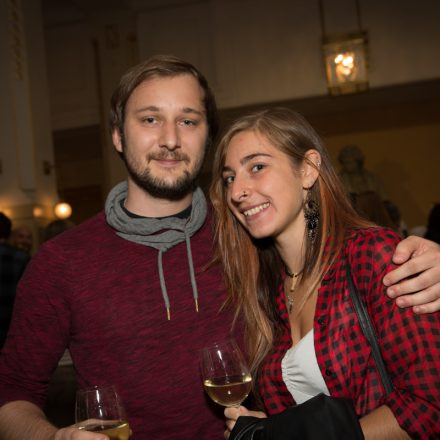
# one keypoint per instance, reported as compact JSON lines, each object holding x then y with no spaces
{"x":239,"y":192}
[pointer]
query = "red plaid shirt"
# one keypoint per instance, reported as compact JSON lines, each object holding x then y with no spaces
{"x":410,"y":344}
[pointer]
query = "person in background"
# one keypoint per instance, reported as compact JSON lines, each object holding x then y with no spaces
{"x":286,"y":255}
{"x":12,"y":264}
{"x":433,"y":227}
{"x":21,"y":238}
{"x":56,"y":227}
{"x":130,"y":291}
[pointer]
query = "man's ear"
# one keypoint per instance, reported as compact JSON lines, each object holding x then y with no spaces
{"x":310,"y":168}
{"x":117,"y":139}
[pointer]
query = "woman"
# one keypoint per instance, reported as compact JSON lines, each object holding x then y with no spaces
{"x":285,"y":230}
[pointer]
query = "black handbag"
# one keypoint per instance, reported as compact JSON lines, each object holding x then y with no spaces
{"x":321,"y":416}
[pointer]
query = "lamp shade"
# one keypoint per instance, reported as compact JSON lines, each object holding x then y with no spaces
{"x":346,"y":66}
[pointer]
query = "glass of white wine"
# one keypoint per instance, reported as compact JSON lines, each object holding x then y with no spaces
{"x":225,"y":374}
{"x":99,"y":409}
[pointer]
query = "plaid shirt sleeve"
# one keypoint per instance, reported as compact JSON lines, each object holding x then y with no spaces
{"x":410,"y":344}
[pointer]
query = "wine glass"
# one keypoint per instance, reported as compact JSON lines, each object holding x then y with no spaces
{"x":99,"y":409}
{"x":225,"y":374}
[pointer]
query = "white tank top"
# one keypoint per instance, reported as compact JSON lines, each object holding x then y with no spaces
{"x":301,"y":372}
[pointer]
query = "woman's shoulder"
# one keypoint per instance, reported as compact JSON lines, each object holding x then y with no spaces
{"x":372,"y":246}
{"x":373,"y":234}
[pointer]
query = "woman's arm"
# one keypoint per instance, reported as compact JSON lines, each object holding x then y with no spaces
{"x":232,"y":414}
{"x":408,"y":343}
{"x":416,"y":282}
{"x":381,"y":424}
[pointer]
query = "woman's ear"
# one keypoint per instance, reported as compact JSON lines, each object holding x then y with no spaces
{"x":310,"y":168}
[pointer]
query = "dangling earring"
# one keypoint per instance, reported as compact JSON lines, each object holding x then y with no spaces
{"x":311,"y":214}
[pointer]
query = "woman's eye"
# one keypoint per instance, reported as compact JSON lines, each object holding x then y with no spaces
{"x":228,"y":180}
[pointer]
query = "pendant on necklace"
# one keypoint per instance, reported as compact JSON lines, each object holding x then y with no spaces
{"x":294,"y":277}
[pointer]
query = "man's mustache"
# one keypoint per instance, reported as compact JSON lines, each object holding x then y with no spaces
{"x":168,"y":155}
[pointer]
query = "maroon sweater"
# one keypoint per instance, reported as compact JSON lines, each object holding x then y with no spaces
{"x":99,"y":295}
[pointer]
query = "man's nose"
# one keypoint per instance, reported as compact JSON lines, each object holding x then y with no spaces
{"x":169,"y":137}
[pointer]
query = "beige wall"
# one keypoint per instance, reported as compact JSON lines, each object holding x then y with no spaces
{"x":256,"y":51}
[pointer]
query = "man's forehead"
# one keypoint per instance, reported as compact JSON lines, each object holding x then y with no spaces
{"x":182,"y":82}
{"x":161,"y":90}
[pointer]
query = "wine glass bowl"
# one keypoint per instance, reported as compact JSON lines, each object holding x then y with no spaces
{"x":99,"y":409}
{"x":225,"y":374}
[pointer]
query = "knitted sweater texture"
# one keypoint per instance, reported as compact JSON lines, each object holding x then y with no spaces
{"x":99,"y":295}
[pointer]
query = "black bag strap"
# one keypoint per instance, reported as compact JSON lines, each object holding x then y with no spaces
{"x":368,"y":330}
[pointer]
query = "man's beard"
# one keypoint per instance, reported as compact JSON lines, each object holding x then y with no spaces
{"x":160,"y":188}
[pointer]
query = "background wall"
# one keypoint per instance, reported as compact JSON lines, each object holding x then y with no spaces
{"x":255,"y":53}
{"x":268,"y":50}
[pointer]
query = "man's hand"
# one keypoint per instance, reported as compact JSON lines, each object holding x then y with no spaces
{"x":72,"y":433}
{"x":416,"y":282}
{"x":24,"y":420}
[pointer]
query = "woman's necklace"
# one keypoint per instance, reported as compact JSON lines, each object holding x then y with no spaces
{"x":294,"y":277}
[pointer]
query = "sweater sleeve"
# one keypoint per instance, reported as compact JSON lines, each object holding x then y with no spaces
{"x":39,"y":330}
{"x":409,"y":343}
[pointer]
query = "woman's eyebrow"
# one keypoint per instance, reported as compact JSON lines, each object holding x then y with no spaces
{"x":247,"y":159}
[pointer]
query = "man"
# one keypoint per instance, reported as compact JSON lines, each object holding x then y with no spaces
{"x":12,"y":265}
{"x":130,"y":292}
{"x":21,"y":238}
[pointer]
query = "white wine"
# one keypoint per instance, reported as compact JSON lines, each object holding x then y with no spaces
{"x":114,"y":429}
{"x":228,"y":391}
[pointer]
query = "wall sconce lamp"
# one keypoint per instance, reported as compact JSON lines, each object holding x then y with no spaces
{"x":38,"y":211}
{"x":345,"y":58}
{"x":62,"y":210}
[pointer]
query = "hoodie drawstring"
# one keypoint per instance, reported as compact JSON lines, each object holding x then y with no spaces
{"x":191,"y":273}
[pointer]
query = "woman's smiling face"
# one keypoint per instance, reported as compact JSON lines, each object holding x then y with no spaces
{"x":263,"y":189}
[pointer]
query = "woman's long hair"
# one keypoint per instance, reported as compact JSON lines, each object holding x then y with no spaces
{"x":252,"y":267}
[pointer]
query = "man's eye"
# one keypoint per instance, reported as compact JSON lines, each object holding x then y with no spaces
{"x":149,"y":120}
{"x":188,"y":122}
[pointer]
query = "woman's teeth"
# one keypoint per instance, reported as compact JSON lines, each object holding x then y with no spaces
{"x":256,"y":210}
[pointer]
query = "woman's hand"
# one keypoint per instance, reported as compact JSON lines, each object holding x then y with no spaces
{"x":232,"y":414}
{"x":73,"y":433}
{"x":416,"y":282}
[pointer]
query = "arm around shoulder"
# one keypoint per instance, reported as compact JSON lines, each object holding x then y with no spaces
{"x":417,"y":280}
{"x":381,"y":424}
